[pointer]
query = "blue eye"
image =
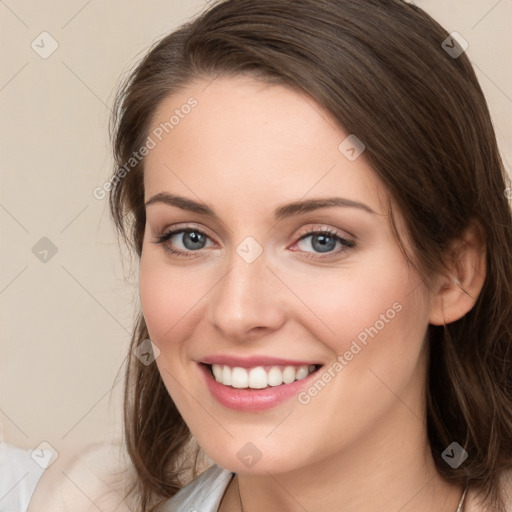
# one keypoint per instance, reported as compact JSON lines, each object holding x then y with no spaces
{"x":325,"y":241}
{"x":194,"y":240}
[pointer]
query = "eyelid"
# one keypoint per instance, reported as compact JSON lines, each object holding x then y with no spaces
{"x":347,"y":242}
{"x":308,"y":231}
{"x":325,"y":229}
{"x":184,"y":226}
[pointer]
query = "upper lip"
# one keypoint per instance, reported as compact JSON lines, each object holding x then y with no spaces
{"x":252,"y":361}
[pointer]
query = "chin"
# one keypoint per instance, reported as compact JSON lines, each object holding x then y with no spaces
{"x":253,"y":458}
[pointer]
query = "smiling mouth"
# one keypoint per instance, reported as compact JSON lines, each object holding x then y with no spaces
{"x":259,"y":377}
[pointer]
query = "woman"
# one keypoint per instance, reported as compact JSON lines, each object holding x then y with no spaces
{"x":316,"y":195}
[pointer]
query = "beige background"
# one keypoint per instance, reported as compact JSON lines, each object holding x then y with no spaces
{"x":65,"y":323}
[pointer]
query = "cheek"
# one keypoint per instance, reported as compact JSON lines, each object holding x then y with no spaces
{"x":359,"y":302}
{"x":167,"y":296}
{"x":374,"y":320}
{"x":164,"y":297}
{"x":155,"y":298}
{"x":378,"y":326}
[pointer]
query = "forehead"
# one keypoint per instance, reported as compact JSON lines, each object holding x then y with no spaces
{"x":235,"y":137}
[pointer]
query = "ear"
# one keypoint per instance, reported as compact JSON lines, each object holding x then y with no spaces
{"x":456,"y":293}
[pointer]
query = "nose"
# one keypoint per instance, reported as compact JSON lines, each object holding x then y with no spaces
{"x":248,"y":301}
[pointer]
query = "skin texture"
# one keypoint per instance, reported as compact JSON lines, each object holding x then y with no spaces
{"x":360,"y":444}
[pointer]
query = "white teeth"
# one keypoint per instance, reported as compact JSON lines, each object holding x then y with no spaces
{"x":274,"y":376}
{"x":302,"y":373}
{"x":258,"y":377}
{"x":289,"y":375}
{"x":217,"y":372}
{"x":226,"y":375}
{"x":239,"y":377}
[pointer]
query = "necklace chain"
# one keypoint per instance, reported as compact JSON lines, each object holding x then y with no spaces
{"x":459,"y":507}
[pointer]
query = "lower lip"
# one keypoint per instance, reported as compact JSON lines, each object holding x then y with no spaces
{"x":253,"y":399}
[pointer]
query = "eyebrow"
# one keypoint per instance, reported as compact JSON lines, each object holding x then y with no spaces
{"x":280,"y":213}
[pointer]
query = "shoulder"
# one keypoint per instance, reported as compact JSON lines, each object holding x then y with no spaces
{"x":204,"y":493}
{"x":20,"y":470}
{"x":96,"y":477}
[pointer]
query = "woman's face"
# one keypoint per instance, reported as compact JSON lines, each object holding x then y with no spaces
{"x":275,"y":289}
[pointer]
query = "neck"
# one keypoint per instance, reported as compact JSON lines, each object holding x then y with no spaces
{"x":390,"y":468}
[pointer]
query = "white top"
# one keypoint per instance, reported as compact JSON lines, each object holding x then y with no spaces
{"x":98,"y":477}
{"x":203,"y":494}
{"x":93,"y":478}
{"x":19,"y":474}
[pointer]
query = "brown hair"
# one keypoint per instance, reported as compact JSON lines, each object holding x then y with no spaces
{"x":379,"y":68}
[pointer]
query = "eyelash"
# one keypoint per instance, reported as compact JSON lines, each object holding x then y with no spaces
{"x":165,"y":237}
